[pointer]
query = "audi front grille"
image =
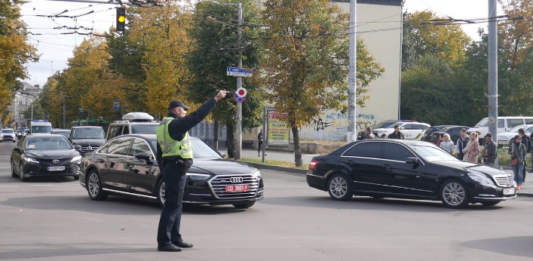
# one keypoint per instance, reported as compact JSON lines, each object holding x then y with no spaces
{"x":219,"y":183}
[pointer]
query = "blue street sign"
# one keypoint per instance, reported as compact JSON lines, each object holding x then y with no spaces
{"x":81,"y":110}
{"x":239,"y":72}
{"x":116,"y":105}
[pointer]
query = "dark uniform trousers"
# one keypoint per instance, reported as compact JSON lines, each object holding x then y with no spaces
{"x":174,"y":175}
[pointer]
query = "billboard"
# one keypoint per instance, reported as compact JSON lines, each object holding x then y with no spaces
{"x":278,"y":131}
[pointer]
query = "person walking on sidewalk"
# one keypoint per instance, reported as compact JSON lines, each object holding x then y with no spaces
{"x":461,"y":144}
{"x":489,"y":151}
{"x":518,"y":160}
{"x":447,"y":144}
{"x":175,"y":157}
{"x":472,"y":149}
{"x":259,"y":142}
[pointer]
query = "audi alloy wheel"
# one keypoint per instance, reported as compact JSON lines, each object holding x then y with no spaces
{"x":161,"y":190}
{"x":94,"y":186}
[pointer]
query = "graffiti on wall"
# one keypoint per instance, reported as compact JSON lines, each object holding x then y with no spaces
{"x":333,"y":125}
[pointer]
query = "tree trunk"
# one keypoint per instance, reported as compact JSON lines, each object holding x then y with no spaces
{"x":230,"y":140}
{"x":297,"y":153}
{"x":215,"y":136}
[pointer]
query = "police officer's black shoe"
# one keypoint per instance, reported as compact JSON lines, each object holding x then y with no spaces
{"x":183,"y":244}
{"x":169,"y":248}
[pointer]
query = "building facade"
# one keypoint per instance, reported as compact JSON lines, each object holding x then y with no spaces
{"x":22,"y":100}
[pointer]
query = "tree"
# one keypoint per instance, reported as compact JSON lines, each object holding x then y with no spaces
{"x":214,"y":34}
{"x":306,"y":61}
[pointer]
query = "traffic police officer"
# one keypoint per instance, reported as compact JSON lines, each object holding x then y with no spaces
{"x":174,"y":155}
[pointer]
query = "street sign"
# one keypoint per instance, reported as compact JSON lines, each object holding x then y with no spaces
{"x":116,"y":105}
{"x":81,"y":110}
{"x":239,"y":72}
{"x":241,"y":92}
{"x":239,"y":99}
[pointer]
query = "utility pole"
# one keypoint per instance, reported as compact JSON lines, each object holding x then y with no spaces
{"x":352,"y":81}
{"x":32,"y":111}
{"x":493,"y":70}
{"x":238,"y":128}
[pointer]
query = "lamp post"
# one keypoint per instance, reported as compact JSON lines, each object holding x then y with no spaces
{"x":238,"y":127}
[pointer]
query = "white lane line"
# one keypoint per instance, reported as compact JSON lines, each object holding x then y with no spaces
{"x":8,"y":186}
{"x":41,"y":185}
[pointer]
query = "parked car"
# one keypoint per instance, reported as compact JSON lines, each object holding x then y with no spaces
{"x":505,"y":123}
{"x":505,"y":138}
{"x":427,"y":135}
{"x":88,"y":137}
{"x":132,"y":123}
{"x":453,"y":131}
{"x":7,"y":135}
{"x":407,"y":169}
{"x":44,"y":155}
{"x":65,"y":133}
{"x":126,"y":165}
{"x":21,"y":132}
{"x":410,"y":130}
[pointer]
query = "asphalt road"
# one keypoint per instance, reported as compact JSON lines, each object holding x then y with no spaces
{"x":54,"y":219}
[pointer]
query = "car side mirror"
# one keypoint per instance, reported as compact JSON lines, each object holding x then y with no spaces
{"x":412,"y":160}
{"x":77,"y":147}
{"x":16,"y":149}
{"x":143,"y":156}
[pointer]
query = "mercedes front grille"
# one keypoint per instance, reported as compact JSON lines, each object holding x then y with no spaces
{"x":504,"y":181}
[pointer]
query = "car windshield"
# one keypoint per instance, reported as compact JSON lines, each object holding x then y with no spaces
{"x":47,"y":143}
{"x":88,"y":133}
{"x":144,"y":128}
{"x":66,"y":134}
{"x":384,"y":124}
{"x":516,"y":128}
{"x":483,"y":123}
{"x":7,"y":131}
{"x":432,"y":153}
{"x":200,"y":150}
{"x":41,"y":129}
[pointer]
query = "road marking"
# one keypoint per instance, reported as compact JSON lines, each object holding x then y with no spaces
{"x":41,"y":185}
{"x":2,"y":186}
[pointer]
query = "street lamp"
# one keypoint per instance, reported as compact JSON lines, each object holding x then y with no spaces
{"x":238,"y":128}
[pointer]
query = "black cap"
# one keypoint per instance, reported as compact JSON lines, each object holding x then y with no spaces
{"x":488,"y":135}
{"x":175,"y":103}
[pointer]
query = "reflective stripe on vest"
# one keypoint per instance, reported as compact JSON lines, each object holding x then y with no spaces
{"x":171,"y":147}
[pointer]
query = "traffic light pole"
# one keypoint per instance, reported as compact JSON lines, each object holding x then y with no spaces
{"x":238,"y":128}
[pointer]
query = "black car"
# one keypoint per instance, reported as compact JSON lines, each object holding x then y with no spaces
{"x":88,"y":137}
{"x":407,"y":169}
{"x":44,"y":155}
{"x":22,"y":132}
{"x":453,"y":131}
{"x":126,"y":165}
{"x":428,"y":134}
{"x":65,"y":133}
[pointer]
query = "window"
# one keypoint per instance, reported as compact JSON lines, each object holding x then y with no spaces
{"x":104,"y":148}
{"x":501,"y":124}
{"x":454,"y":131}
{"x":514,"y":122}
{"x":87,"y":133}
{"x":529,"y":121}
{"x":115,"y":131}
{"x":419,"y":127}
{"x":407,"y":126}
{"x":144,"y":128}
{"x":367,"y":150}
{"x":398,"y":152}
{"x":530,"y":130}
{"x":200,"y":150}
{"x":119,"y":147}
{"x":126,"y":130}
{"x":139,"y":146}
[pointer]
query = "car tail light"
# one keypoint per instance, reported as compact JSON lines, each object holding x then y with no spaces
{"x":478,"y":133}
{"x":313,"y":164}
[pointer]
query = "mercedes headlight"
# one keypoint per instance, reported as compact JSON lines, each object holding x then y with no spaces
{"x":195,"y":176}
{"x":76,"y":159}
{"x":481,"y":178}
{"x":29,"y":160}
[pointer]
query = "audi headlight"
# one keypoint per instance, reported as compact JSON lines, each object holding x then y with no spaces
{"x":76,"y":159}
{"x":481,"y":178}
{"x":257,"y":174}
{"x":29,"y":160}
{"x":195,"y":176}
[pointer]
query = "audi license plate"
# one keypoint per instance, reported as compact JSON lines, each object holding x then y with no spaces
{"x":508,"y":191}
{"x":56,"y":168}
{"x":237,"y":188}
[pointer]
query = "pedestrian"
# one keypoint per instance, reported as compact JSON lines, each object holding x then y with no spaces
{"x":447,"y":144}
{"x":175,"y":157}
{"x":396,"y":134}
{"x":526,"y":141}
{"x":471,"y":150}
{"x":489,"y":151}
{"x":461,"y":143}
{"x":518,"y":159}
{"x":259,"y":142}
{"x":530,"y":140}
{"x":441,"y":138}
{"x":368,"y":134}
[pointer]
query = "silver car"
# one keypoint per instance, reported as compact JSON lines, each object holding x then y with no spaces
{"x":7,"y":135}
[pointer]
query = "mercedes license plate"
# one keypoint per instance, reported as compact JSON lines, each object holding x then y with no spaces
{"x":56,"y":168}
{"x":508,"y":191}
{"x":237,"y":188}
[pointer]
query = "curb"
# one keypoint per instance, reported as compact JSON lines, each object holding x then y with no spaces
{"x":278,"y":168}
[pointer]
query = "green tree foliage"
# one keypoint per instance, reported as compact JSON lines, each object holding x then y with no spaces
{"x":306,"y":58}
{"x":215,"y":46}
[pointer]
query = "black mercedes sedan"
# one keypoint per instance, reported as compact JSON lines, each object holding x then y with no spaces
{"x":88,"y":137}
{"x":44,"y":156}
{"x":126,"y":165}
{"x":407,"y":169}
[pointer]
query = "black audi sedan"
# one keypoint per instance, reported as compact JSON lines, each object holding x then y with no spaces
{"x":407,"y":169}
{"x":44,"y":156}
{"x":126,"y":165}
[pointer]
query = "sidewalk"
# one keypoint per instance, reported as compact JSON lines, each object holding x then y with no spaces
{"x":277,"y":155}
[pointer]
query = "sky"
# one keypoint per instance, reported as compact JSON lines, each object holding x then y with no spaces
{"x":56,"y":48}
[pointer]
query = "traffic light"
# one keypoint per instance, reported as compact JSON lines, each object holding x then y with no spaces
{"x":121,"y":19}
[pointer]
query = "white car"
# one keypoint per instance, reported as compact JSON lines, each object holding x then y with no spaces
{"x":505,"y":123}
{"x":410,"y":130}
{"x":504,"y":138}
{"x":7,"y":135}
